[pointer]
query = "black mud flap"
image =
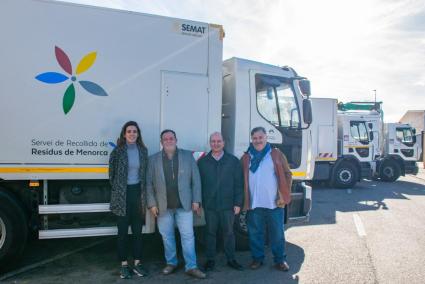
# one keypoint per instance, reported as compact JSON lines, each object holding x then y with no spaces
{"x":298,"y":211}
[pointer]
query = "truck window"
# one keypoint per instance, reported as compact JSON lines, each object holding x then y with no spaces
{"x":267,"y":106}
{"x":358,"y":131}
{"x":276,"y":101}
{"x":288,"y":107}
{"x":404,"y":135}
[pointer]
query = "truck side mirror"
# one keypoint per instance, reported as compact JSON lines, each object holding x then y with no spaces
{"x":305,"y":87}
{"x":371,"y":135}
{"x":307,"y":111}
{"x":294,"y":118}
{"x":270,"y":94}
{"x":370,"y":125}
{"x":414,"y":139}
{"x":414,"y":131}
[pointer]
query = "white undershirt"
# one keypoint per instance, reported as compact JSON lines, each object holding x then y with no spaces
{"x":263,"y":184}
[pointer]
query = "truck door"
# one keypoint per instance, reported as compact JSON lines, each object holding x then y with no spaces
{"x":376,"y":142}
{"x":359,"y":143}
{"x":184,"y":108}
{"x":275,"y":106}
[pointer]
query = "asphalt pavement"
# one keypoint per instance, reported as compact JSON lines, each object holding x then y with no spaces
{"x":372,"y":233}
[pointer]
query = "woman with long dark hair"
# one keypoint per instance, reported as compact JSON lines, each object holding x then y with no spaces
{"x":127,"y":176}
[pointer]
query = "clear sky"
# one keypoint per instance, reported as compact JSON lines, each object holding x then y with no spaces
{"x":346,"y":48}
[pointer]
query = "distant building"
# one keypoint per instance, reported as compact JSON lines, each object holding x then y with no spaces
{"x":416,"y":118}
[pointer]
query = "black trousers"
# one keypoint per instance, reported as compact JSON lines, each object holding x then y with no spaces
{"x":134,"y":219}
{"x":223,"y":219}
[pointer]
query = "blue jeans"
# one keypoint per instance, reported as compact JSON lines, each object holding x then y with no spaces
{"x":166,"y":226}
{"x":257,"y":220}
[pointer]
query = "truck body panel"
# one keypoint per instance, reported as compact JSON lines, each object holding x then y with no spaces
{"x":142,"y":61}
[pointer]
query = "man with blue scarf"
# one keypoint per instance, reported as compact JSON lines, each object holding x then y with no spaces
{"x":267,"y":187}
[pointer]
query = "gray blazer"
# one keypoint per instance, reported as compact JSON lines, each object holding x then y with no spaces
{"x":189,"y":181}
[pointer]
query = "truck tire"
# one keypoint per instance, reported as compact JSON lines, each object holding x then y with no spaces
{"x":241,"y":232}
{"x":345,"y":175}
{"x":390,"y":171}
{"x":13,"y":230}
{"x":200,"y":236}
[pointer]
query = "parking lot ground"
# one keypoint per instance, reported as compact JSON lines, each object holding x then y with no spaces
{"x":373,"y":233}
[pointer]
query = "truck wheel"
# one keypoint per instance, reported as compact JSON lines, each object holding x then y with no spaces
{"x":200,"y":236}
{"x":241,"y":232}
{"x":13,"y":230}
{"x":345,"y":176}
{"x":390,"y":171}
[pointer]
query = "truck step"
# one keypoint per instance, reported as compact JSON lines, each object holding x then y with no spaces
{"x":73,"y":208}
{"x":87,"y":232}
{"x":74,"y":233}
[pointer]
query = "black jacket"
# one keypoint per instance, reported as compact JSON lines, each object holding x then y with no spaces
{"x":118,"y":171}
{"x":222,"y":182}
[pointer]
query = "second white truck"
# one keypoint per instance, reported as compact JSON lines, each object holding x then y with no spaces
{"x":352,"y":142}
{"x":342,"y":147}
{"x":401,"y":152}
{"x":395,"y":147}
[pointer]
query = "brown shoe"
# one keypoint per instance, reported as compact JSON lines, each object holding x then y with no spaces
{"x":196,"y":273}
{"x":255,"y":264}
{"x":282,"y":266}
{"x":168,"y":269}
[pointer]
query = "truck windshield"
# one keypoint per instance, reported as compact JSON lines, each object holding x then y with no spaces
{"x":404,"y":135}
{"x":276,"y":100}
{"x":358,"y":131}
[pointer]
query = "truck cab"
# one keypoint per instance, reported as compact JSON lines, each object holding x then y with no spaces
{"x":402,"y":151}
{"x":276,"y":98}
{"x":395,"y":150}
{"x":342,"y":144}
{"x":355,"y":145}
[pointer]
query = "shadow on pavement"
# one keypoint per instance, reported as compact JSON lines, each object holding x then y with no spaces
{"x":365,"y":196}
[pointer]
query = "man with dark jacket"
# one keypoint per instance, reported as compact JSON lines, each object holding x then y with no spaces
{"x":222,"y":197}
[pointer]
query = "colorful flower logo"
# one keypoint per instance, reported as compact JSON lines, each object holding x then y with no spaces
{"x":65,"y":63}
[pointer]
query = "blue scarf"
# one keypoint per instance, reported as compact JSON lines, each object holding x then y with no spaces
{"x":257,"y":156}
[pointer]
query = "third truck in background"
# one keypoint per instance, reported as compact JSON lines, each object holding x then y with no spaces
{"x":352,"y":142}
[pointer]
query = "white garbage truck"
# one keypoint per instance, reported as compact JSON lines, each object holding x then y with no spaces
{"x":401,"y":152}
{"x":74,"y":74}
{"x":342,"y":144}
{"x":396,"y":150}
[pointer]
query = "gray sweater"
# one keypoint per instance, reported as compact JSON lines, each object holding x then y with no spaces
{"x":133,"y":175}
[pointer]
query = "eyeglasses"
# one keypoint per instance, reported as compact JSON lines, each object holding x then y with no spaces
{"x":131,"y":131}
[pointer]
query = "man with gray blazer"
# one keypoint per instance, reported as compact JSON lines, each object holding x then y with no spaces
{"x":173,"y":188}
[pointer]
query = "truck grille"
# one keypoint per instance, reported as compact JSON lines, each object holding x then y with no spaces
{"x":363,"y":152}
{"x":407,"y":152}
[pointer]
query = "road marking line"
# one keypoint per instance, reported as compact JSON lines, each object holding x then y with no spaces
{"x":359,"y":225}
